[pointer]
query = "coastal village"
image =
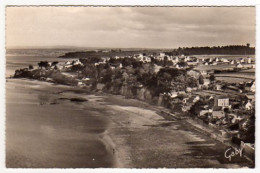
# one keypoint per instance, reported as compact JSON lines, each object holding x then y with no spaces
{"x":213,"y":91}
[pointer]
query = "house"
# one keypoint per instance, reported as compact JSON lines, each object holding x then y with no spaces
{"x":249,"y":60}
{"x":204,"y":73}
{"x":203,"y":112}
{"x":221,"y":101}
{"x":250,"y":86}
{"x":188,"y":89}
{"x":224,"y":60}
{"x":162,"y":54}
{"x":248,"y":106}
{"x":232,"y":62}
{"x":85,"y":79}
{"x":173,"y":94}
{"x":218,"y":87}
{"x":250,"y":97}
{"x":197,"y":98}
{"x":81,"y":83}
{"x":240,"y":66}
{"x":206,"y":82}
{"x":68,"y":63}
{"x":242,"y":60}
{"x":218,"y":114}
{"x":68,"y":66}
{"x":77,"y":62}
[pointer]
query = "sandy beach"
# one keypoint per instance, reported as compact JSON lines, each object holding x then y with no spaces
{"x":103,"y":131}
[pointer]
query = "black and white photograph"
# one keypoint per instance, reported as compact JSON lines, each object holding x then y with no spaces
{"x":130,"y":86}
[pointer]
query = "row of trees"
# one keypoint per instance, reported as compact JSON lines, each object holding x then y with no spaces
{"x":228,"y":50}
{"x":46,"y":64}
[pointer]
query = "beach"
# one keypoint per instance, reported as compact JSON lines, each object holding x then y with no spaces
{"x":45,"y":128}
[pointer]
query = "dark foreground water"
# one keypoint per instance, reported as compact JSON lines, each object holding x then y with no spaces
{"x":45,"y":131}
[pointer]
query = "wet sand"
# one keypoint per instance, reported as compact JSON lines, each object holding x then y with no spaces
{"x":43,"y":131}
{"x":105,"y":131}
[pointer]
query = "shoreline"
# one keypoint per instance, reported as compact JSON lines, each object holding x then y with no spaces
{"x":130,"y":119}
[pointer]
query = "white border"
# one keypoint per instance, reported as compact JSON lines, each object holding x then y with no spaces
{"x":3,"y":3}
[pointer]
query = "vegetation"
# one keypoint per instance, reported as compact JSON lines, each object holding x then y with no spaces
{"x":227,"y":50}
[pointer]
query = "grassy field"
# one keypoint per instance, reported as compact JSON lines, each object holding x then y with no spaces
{"x":229,"y":57}
{"x":219,"y":67}
{"x":237,"y":75}
{"x":233,"y":79}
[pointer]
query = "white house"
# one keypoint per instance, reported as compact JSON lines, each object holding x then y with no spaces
{"x":85,"y":79}
{"x":68,"y":63}
{"x":224,"y":60}
{"x":81,"y":83}
{"x":221,"y":101}
{"x":162,"y":54}
{"x":248,"y":106}
{"x":77,"y":62}
{"x":250,"y":86}
{"x":68,"y":66}
{"x":203,"y":112}
{"x":206,"y":82}
{"x":173,"y":94}
{"x":240,"y":66}
{"x":218,"y":114}
{"x":197,"y":98}
{"x":218,"y":87}
{"x":249,"y":60}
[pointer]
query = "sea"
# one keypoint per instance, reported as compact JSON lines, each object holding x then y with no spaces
{"x":44,"y":130}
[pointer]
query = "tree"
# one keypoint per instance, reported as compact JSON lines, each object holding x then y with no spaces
{"x":54,"y":63}
{"x":126,"y":62}
{"x":201,"y":80}
{"x":212,"y":77}
{"x":165,"y":60}
{"x":30,"y":67}
{"x":191,"y":82}
{"x":182,"y":64}
{"x":43,"y":64}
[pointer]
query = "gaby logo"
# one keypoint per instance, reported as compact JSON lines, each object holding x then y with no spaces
{"x":233,"y":151}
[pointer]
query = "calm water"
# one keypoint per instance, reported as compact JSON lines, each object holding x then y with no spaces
{"x":43,"y":131}
{"x":16,"y":62}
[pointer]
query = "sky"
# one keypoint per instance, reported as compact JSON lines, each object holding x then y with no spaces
{"x":129,"y":27}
